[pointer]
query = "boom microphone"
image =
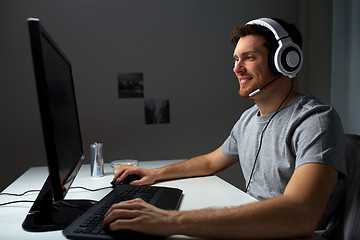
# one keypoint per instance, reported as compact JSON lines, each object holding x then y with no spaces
{"x":259,"y":89}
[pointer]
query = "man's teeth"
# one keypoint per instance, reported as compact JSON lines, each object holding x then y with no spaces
{"x":245,"y":79}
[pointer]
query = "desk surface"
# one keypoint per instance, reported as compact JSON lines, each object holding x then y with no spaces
{"x":198,"y":193}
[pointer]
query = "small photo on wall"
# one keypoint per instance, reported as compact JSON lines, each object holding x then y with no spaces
{"x":130,"y":85}
{"x":157,"y":111}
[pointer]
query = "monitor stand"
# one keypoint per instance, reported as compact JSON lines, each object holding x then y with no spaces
{"x":44,"y":215}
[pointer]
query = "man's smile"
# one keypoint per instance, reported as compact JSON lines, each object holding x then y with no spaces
{"x":244,"y":80}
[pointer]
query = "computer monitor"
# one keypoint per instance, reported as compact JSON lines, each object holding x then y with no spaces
{"x":61,"y":132}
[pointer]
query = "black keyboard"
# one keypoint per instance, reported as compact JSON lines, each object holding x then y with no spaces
{"x":88,"y":225}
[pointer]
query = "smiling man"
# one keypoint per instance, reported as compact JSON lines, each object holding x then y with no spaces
{"x":289,"y":145}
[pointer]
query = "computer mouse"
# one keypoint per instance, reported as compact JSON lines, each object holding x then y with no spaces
{"x":127,"y":180}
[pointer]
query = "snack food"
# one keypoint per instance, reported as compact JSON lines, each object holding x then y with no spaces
{"x":126,"y":163}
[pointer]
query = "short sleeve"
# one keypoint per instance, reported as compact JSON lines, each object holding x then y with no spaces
{"x":319,"y":137}
{"x":230,"y":147}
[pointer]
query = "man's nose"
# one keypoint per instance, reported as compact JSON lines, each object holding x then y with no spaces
{"x":239,"y":67}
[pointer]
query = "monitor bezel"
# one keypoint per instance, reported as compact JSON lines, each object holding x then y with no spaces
{"x":58,"y":188}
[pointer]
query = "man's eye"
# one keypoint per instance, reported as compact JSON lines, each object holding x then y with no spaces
{"x":249,"y":58}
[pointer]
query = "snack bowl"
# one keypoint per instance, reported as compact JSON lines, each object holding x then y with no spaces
{"x":124,"y":163}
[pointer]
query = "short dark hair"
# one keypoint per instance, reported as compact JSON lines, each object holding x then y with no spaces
{"x":254,"y":29}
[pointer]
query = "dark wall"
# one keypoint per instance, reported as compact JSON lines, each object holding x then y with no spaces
{"x":182,"y":48}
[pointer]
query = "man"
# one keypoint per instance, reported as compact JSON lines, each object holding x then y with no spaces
{"x":290,"y":147}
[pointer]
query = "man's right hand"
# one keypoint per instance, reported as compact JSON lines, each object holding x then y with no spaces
{"x":147,"y":176}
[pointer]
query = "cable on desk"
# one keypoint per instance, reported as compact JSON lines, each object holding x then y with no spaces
{"x":7,"y":203}
{"x":19,"y":194}
{"x":91,"y":190}
{"x":33,"y":190}
{"x":65,"y":204}
{"x":28,"y":191}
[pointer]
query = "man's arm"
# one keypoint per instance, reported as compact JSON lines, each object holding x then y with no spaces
{"x":294,"y":214}
{"x":199,"y":166}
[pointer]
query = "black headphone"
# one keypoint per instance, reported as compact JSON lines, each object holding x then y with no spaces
{"x":287,"y":58}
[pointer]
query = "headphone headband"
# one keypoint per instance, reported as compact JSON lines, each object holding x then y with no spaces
{"x":278,"y":31}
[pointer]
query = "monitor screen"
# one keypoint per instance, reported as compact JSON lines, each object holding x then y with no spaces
{"x":60,"y":125}
{"x":58,"y":109}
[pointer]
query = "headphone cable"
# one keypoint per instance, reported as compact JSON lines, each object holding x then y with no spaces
{"x":262,"y":134}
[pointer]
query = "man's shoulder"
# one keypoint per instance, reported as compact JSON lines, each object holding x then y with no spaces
{"x":310,"y":114}
{"x":310,"y":101}
{"x":308,"y":104}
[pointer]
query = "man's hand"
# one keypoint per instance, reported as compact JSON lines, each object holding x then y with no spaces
{"x":147,"y":176}
{"x":140,"y":216}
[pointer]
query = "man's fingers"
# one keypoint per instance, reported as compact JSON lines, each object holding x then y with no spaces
{"x":126,"y":205}
{"x":122,"y":212}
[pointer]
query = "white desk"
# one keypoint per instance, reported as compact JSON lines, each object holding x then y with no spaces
{"x":197,"y":194}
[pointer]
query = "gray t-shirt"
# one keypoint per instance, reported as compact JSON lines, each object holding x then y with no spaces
{"x":305,"y":131}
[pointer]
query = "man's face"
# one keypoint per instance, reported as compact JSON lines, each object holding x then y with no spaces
{"x":251,"y":64}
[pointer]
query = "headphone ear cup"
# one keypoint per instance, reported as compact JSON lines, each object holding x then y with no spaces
{"x":272,"y":60}
{"x":288,"y":59}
